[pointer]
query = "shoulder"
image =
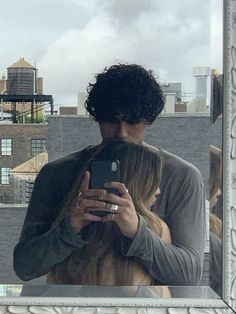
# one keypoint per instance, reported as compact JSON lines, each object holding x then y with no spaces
{"x":179,"y":170}
{"x":73,"y":157}
{"x":180,"y":182}
{"x":176,"y":169}
{"x":69,"y":162}
{"x":174,"y":164}
{"x":60,"y":175}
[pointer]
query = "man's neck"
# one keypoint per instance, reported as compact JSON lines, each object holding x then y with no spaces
{"x":107,"y":141}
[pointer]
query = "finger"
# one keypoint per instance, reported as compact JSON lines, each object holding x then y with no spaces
{"x":86,"y":203}
{"x":91,"y":217}
{"x":123,"y":191}
{"x":99,"y":213}
{"x":85,"y":182}
{"x":97,"y":209}
{"x":110,"y":217}
{"x":88,"y":216}
{"x":115,"y":199}
{"x":95,"y":193}
{"x":82,"y":204}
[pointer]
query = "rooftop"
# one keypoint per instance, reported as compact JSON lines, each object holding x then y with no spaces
{"x":31,"y":166}
{"x":21,"y":63}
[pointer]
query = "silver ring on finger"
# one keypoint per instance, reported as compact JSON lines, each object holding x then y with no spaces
{"x":81,"y":197}
{"x":77,"y":204}
{"x":114,"y":208}
{"x":125,"y":192}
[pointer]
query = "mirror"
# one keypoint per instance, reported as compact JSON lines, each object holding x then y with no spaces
{"x":126,"y":35}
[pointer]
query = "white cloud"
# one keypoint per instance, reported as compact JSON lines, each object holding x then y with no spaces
{"x":71,"y":61}
{"x":81,"y":37}
{"x":217,"y":35}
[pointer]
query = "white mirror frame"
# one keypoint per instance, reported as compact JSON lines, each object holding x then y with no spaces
{"x":173,"y":306}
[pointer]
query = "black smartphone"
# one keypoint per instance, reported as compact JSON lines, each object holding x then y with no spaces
{"x":101,"y":172}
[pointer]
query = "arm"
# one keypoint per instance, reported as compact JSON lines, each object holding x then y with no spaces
{"x":44,"y":242}
{"x":41,"y":246}
{"x":36,"y":253}
{"x":179,"y":263}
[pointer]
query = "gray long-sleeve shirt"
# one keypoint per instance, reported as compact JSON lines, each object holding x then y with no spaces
{"x":42,"y":245}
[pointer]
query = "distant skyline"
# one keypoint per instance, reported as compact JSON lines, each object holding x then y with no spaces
{"x":71,"y":40}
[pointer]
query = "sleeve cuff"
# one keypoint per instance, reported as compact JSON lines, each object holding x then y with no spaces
{"x":71,"y":237}
{"x":129,"y":247}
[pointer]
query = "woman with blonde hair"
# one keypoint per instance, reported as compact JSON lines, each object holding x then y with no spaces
{"x":103,"y":259}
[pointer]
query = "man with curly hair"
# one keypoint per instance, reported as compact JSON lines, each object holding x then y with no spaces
{"x":124,"y":100}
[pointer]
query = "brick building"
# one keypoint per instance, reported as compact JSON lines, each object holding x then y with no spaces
{"x":68,"y":110}
{"x":22,"y":177}
{"x":18,"y":143}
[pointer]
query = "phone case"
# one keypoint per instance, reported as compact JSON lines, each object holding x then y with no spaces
{"x":103,"y":171}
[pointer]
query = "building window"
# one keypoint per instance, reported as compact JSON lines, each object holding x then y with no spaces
{"x":6,"y":146}
{"x":38,"y":146}
{"x":5,"y":174}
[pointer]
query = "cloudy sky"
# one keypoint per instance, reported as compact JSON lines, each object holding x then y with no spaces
{"x":71,"y":40}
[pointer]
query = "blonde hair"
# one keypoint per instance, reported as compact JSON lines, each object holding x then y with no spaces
{"x":216,"y":225}
{"x":215,"y":180}
{"x":141,"y":173}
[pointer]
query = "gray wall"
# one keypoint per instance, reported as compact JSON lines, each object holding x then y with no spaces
{"x":67,"y":134}
{"x":12,"y":218}
{"x":184,"y":135}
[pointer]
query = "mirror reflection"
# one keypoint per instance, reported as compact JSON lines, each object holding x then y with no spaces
{"x":101,"y":291}
{"x":152,"y":225}
{"x":216,"y":216}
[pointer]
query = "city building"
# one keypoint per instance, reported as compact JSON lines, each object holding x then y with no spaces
{"x":18,"y":143}
{"x":21,"y":94}
{"x":22,"y":177}
{"x":198,"y":101}
{"x":68,"y":110}
{"x":23,"y":132}
{"x":174,"y":100}
{"x":81,"y":109}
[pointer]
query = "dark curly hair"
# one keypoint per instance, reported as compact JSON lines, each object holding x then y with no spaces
{"x":125,"y":92}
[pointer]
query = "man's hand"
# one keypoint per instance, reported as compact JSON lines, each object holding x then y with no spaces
{"x":124,"y":214}
{"x":87,"y":200}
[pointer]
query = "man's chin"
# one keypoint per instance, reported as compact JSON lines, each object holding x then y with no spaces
{"x":118,"y":140}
